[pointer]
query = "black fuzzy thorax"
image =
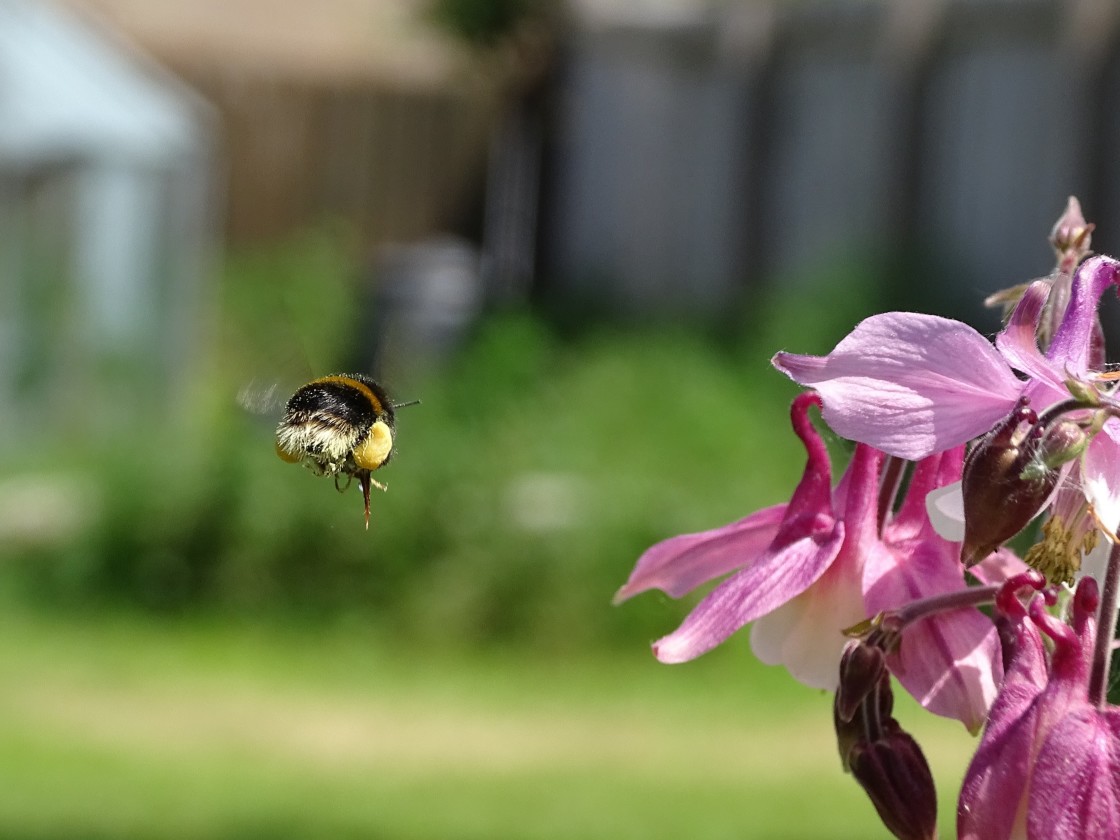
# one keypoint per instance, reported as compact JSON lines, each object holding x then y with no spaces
{"x":341,"y":405}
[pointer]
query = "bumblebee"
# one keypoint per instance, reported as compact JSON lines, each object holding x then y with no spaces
{"x":341,"y":425}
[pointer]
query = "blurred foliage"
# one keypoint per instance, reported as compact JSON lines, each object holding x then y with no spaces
{"x":483,"y":22}
{"x":524,"y":487}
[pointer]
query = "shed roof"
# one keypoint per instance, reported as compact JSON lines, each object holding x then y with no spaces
{"x":69,"y":92}
{"x":330,"y":41}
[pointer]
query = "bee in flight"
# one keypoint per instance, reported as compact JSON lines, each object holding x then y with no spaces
{"x":341,"y":425}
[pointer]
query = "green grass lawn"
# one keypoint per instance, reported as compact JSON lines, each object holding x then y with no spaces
{"x":124,"y":728}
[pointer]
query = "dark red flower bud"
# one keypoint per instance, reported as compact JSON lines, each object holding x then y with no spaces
{"x":863,"y":679}
{"x":1004,"y":485}
{"x":894,"y":773}
{"x":884,"y":759}
{"x":862,"y":667}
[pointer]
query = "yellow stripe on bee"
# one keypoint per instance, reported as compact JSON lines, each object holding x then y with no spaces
{"x":356,"y":385}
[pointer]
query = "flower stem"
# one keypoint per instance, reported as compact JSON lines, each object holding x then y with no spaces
{"x":1058,"y":409}
{"x":1106,"y":630}
{"x":974,"y":596}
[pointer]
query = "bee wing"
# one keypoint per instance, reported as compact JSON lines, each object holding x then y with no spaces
{"x":269,"y":387}
{"x":262,"y":397}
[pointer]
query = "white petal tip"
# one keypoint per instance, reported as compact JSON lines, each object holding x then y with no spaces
{"x":945,"y":508}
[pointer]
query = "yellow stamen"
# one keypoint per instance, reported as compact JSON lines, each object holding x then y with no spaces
{"x":1058,"y":554}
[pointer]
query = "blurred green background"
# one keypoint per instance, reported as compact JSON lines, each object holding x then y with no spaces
{"x":213,"y":646}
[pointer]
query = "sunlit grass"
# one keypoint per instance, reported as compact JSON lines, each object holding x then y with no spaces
{"x":121,"y":728}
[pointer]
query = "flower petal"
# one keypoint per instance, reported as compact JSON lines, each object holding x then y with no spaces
{"x":992,"y":799}
{"x":1073,"y":344}
{"x":1017,"y":341}
{"x":1100,"y":467}
{"x":805,"y":634}
{"x":1075,"y":790}
{"x":945,"y":509}
{"x":909,"y":384}
{"x":777,"y":576}
{"x":998,"y":567}
{"x":680,"y":564}
{"x":950,"y":663}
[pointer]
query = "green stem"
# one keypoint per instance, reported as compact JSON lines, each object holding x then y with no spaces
{"x":1106,"y":630}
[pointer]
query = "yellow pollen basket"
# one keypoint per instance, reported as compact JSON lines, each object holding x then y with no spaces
{"x":285,"y":455}
{"x":372,"y":452}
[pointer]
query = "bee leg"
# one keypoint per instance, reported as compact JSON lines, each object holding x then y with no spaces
{"x":364,"y":481}
{"x":342,"y":488}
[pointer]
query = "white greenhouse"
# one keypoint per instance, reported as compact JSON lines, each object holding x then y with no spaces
{"x":107,"y":227}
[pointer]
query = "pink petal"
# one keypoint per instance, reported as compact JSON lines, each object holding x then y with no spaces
{"x":1073,"y":343}
{"x":1075,"y":791}
{"x":998,"y":567}
{"x":1100,"y":466}
{"x":805,"y":634}
{"x":909,"y":384}
{"x":1017,"y":341}
{"x":951,"y":665}
{"x":775,"y":578}
{"x":992,"y":799}
{"x":1019,"y":346}
{"x":680,"y":564}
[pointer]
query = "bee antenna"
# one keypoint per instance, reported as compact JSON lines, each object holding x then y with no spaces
{"x":397,"y":405}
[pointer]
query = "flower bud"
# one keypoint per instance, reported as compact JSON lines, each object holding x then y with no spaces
{"x":863,"y":679}
{"x":1004,"y":485}
{"x":1085,"y":393}
{"x":1048,"y":764}
{"x":1060,"y":444}
{"x":894,"y":773}
{"x":861,"y":667}
{"x":886,"y":761}
{"x":1071,"y":236}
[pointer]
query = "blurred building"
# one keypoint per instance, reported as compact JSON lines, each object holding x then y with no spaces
{"x":702,"y":150}
{"x":669,"y":158}
{"x":367,"y":116}
{"x":106,"y":225}
{"x":363,"y":112}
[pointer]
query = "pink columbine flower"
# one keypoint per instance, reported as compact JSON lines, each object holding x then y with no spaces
{"x":947,"y":660}
{"x":806,"y":570}
{"x":1048,"y":765}
{"x":794,"y":563}
{"x":913,"y":385}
